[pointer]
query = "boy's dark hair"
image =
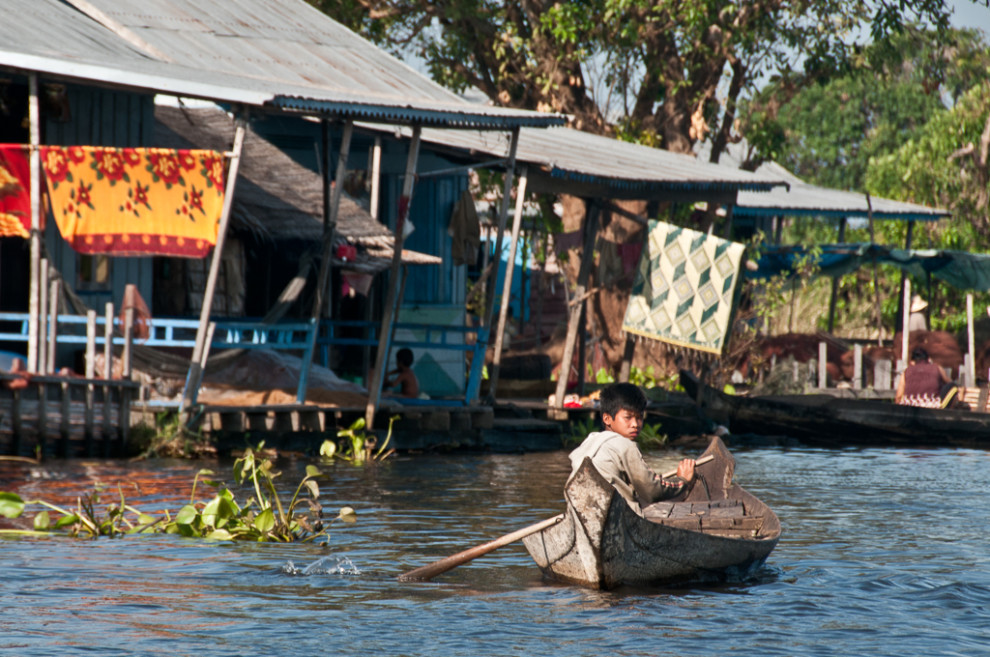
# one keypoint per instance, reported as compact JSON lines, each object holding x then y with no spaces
{"x":919,"y":354}
{"x":619,"y":396}
{"x":404,"y":357}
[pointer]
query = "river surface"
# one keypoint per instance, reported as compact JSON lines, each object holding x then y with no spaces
{"x":884,"y":552}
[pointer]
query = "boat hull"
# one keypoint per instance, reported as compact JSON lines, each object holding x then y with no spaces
{"x":827,"y":420}
{"x":602,"y":543}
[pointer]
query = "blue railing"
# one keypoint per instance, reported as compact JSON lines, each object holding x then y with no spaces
{"x":290,"y":336}
{"x":174,"y":332}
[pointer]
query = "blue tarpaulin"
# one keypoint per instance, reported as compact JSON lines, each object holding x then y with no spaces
{"x":960,"y":269}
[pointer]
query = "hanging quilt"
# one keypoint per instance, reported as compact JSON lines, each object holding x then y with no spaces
{"x":135,"y":201}
{"x":684,"y":288}
{"x":15,"y":191}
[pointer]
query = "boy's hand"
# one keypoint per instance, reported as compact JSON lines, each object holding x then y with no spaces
{"x":685,"y":470}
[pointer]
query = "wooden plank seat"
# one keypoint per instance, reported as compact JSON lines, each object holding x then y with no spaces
{"x":723,"y":517}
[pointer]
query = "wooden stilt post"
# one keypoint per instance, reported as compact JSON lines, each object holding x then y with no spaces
{"x":627,"y":356}
{"x":876,"y":275}
{"x":503,"y":212}
{"x":195,"y":374}
{"x":376,"y":175}
{"x":835,"y":281}
{"x":90,"y":375}
{"x":53,"y":295}
{"x":905,"y":319}
{"x":34,"y":314}
{"x":903,"y":308}
{"x":577,"y":301}
{"x":331,"y":203}
{"x":43,"y":317}
{"x":128,"y":342}
{"x":391,"y":301}
{"x":507,"y":284}
{"x":971,"y":343}
{"x":108,"y":341}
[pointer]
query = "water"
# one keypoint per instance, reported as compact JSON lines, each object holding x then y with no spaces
{"x":884,"y":552}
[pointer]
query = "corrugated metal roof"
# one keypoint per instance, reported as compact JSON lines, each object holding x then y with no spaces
{"x":803,"y":199}
{"x":622,"y":168}
{"x":259,"y":52}
{"x":808,"y":200}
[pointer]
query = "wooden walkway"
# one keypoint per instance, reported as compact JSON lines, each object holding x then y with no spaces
{"x":57,"y":416}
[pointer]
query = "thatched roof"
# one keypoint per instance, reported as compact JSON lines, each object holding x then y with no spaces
{"x":277,"y":198}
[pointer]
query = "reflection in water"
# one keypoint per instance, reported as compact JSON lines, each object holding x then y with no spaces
{"x":884,"y":552}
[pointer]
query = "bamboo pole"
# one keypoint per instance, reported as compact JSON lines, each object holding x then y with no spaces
{"x":391,"y":301}
{"x":507,"y":283}
{"x":34,"y":314}
{"x":195,"y":373}
{"x":577,"y":302}
{"x":503,"y":213}
{"x":322,"y":300}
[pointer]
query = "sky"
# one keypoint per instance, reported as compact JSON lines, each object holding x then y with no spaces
{"x":970,"y":14}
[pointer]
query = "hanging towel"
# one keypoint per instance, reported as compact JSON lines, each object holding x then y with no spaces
{"x":136,"y":201}
{"x":15,"y":191}
{"x":465,"y":230}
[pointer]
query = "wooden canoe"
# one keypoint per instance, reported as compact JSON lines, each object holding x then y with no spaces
{"x":828,"y":420}
{"x":717,"y":532}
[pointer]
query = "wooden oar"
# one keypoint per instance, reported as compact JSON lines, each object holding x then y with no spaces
{"x":429,"y":571}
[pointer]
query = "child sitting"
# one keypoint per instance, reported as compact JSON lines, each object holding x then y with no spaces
{"x":403,"y":378}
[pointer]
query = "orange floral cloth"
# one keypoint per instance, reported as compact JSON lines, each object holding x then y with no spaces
{"x":135,"y":201}
{"x":15,"y":191}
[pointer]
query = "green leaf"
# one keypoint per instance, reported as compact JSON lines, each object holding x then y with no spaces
{"x":65,"y":521}
{"x":347,"y":514}
{"x":328,"y":448}
{"x":187,"y":515}
{"x":11,"y":505}
{"x":41,"y":521}
{"x":265,"y":521}
{"x":314,"y":490}
{"x":220,"y":535}
{"x":313,"y":471}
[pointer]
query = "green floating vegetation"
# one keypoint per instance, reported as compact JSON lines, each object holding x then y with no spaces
{"x":356,"y":446}
{"x":261,"y":517}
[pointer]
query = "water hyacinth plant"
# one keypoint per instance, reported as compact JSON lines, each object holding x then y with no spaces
{"x":262,"y":517}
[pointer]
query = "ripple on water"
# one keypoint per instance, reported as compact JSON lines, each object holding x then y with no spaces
{"x":881,"y":555}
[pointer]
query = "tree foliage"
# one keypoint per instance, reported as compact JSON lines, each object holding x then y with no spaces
{"x":826,"y":128}
{"x":662,"y":72}
{"x":946,"y":165}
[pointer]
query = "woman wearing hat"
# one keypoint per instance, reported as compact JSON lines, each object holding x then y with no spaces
{"x":917,"y":321}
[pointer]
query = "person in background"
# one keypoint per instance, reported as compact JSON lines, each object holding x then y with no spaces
{"x":402,"y":377}
{"x":916,"y":320}
{"x":616,"y":456}
{"x":924,"y":383}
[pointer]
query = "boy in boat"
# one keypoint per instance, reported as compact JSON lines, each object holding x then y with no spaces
{"x":616,"y":456}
